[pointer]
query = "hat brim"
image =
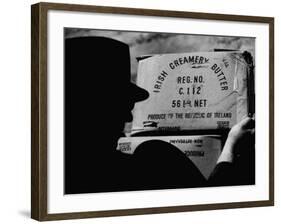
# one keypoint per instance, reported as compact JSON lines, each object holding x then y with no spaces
{"x":138,"y":93}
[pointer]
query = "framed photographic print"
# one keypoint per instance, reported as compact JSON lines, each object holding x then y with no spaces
{"x":138,"y":111}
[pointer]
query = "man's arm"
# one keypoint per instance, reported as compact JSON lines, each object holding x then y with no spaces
{"x":235,"y":164}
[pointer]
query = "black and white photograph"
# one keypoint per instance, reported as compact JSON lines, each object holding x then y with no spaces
{"x":154,"y":111}
{"x":135,"y":112}
{"x":140,"y":111}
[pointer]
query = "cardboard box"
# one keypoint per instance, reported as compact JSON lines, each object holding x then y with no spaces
{"x":192,"y":96}
{"x":203,"y":151}
{"x":194,"y":91}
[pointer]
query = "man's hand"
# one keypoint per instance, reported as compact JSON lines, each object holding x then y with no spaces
{"x":239,"y":136}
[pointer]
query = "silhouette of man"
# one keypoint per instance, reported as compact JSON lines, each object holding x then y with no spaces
{"x":99,"y":98}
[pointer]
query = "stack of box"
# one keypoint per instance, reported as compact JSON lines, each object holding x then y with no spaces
{"x":195,"y":98}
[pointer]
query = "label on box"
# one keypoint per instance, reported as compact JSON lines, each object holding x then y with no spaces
{"x":203,"y":151}
{"x":190,"y":91}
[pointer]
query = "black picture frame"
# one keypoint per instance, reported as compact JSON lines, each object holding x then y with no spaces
{"x":39,"y":108}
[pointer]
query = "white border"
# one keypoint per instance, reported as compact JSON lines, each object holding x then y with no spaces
{"x":59,"y":203}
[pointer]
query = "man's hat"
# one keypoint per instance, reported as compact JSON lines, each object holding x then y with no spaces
{"x":102,"y":61}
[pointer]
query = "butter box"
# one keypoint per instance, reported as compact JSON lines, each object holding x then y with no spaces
{"x":203,"y":151}
{"x":194,"y":91}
